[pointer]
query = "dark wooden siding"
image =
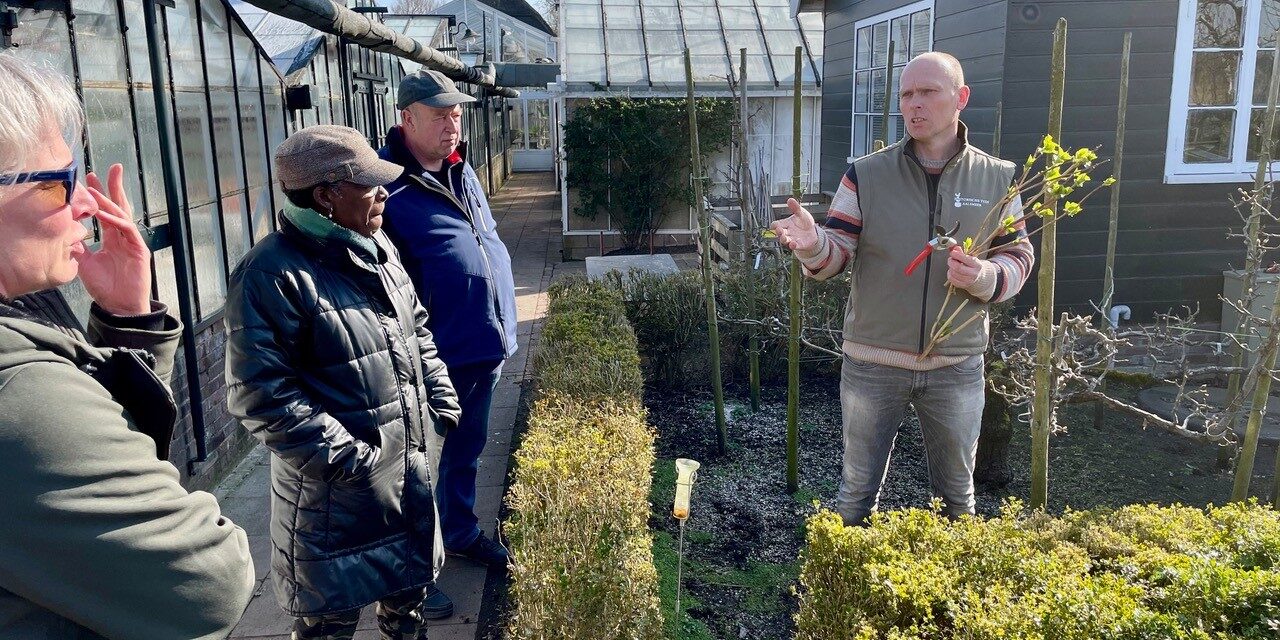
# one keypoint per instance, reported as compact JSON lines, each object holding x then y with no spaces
{"x":1172,"y":245}
{"x":972,"y":30}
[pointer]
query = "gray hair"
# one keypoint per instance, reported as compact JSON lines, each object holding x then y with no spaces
{"x":33,"y":99}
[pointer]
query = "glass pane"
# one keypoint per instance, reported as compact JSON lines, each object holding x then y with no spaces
{"x":921,"y":25}
{"x":700,"y":18}
{"x":197,"y":158}
{"x":42,"y":36}
{"x":149,"y":141}
{"x":900,"y":31}
{"x":864,"y":48}
{"x":1256,"y":123}
{"x":775,"y":16}
{"x":877,"y":129}
{"x":184,"y":45}
{"x":260,"y":198}
{"x":750,"y":39}
{"x":166,"y":278}
{"x":666,"y":68}
{"x":1218,"y":23}
{"x":877,"y":91}
{"x":893,"y":91}
{"x":1262,"y":77}
{"x":664,"y":42}
{"x":217,"y":44}
{"x":110,"y":128}
{"x":705,"y":43}
{"x":582,"y":16}
{"x":584,"y":41}
{"x":226,"y":136}
{"x":782,"y":42}
{"x":627,"y":69}
{"x":861,"y":91}
{"x":707,"y":68}
{"x":879,"y":44}
{"x":785,"y":67}
{"x":1213,"y":78}
{"x":235,"y":228}
{"x":739,"y":17}
{"x":622,"y":17}
{"x":1270,"y":22}
{"x":98,"y":41}
{"x":210,"y":273}
{"x":137,"y":38}
{"x":759,"y":70}
{"x":860,"y":144}
{"x":660,"y":17}
{"x":585,"y":68}
{"x":539,"y":124}
{"x":1209,"y":135}
{"x":254,"y":136}
{"x":624,"y":42}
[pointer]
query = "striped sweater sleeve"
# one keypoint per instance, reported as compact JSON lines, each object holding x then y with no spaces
{"x":838,"y":236}
{"x":1009,"y":264}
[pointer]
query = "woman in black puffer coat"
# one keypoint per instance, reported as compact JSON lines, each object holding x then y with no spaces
{"x":331,"y":366}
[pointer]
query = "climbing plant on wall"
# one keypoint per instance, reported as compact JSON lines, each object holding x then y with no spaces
{"x":629,"y":157}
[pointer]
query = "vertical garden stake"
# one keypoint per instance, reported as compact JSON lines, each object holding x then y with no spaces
{"x":1042,"y":406}
{"x":704,"y":224}
{"x":748,"y":234}
{"x":793,"y":303}
{"x":1253,"y":255}
{"x":888,"y":96}
{"x":1108,"y":272}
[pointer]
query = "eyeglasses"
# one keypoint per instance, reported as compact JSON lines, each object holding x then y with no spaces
{"x":66,"y":178}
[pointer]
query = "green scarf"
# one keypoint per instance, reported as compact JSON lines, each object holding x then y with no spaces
{"x":326,"y":231}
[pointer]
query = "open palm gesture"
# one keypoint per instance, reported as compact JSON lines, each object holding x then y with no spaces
{"x":797,"y":232}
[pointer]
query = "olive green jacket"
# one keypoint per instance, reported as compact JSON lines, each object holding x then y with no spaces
{"x":97,"y":537}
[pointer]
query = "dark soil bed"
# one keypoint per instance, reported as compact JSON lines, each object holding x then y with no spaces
{"x":745,"y":532}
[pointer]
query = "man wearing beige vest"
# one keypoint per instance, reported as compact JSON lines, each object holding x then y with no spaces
{"x":885,"y":210}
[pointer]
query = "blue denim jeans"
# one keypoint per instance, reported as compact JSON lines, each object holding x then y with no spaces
{"x":460,"y":455}
{"x":873,"y":402}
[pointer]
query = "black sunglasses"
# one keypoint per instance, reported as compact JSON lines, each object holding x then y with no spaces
{"x":68,"y":176}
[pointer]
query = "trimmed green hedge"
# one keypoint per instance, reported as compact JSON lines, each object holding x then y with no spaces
{"x":1141,"y":572}
{"x":578,"y":528}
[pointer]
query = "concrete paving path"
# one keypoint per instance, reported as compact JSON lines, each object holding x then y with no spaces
{"x":527,"y":210}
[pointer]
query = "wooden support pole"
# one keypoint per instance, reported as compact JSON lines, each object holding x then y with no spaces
{"x":748,"y":232}
{"x":708,"y":284}
{"x":793,"y":302}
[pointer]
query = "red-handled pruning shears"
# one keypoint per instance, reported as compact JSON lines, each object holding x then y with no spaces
{"x":942,"y":241}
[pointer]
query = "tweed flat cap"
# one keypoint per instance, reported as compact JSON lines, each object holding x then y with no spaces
{"x":330,"y":153}
{"x":431,"y":88}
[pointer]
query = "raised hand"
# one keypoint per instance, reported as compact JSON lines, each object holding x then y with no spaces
{"x":117,"y":275}
{"x":797,"y":232}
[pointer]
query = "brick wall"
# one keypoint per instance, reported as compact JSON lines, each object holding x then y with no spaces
{"x":226,"y":441}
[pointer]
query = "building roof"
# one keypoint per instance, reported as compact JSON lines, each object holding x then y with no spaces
{"x":522,"y":11}
{"x":289,"y":44}
{"x":639,"y":44}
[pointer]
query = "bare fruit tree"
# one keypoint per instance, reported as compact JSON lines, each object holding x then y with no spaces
{"x":416,"y":6}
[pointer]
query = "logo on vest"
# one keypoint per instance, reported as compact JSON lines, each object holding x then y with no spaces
{"x":967,"y":201}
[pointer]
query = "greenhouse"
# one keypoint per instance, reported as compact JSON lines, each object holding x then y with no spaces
{"x":635,"y":48}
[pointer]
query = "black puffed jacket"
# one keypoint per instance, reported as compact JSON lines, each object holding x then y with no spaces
{"x":321,"y":344}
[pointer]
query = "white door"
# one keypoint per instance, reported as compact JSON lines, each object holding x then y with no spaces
{"x":531,"y":131}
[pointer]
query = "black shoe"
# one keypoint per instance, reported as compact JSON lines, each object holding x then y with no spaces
{"x":486,"y":552}
{"x":436,"y":605}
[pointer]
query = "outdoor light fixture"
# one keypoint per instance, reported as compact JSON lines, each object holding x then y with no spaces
{"x":469,"y":36}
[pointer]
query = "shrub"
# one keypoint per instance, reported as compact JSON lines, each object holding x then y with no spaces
{"x":1140,"y":572}
{"x":580,"y":543}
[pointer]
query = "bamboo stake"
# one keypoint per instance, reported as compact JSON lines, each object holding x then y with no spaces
{"x":1042,"y":403}
{"x":1253,"y":255}
{"x":748,"y":234}
{"x":793,"y":302}
{"x":1108,"y":273}
{"x":704,"y":222}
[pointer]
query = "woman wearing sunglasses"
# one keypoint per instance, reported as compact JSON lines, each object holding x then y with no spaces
{"x":98,"y":537}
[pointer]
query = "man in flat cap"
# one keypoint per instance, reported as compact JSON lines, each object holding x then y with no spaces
{"x":439,"y":218}
{"x":331,"y":366}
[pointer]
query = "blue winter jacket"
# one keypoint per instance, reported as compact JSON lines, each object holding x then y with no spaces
{"x":453,"y":254}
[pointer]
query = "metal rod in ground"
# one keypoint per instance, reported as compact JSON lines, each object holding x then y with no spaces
{"x":995,"y":137}
{"x":793,"y":303}
{"x":1042,"y":406}
{"x":1253,"y":252}
{"x":1113,"y":225}
{"x":708,"y":284}
{"x":679,"y":570}
{"x":748,"y":233}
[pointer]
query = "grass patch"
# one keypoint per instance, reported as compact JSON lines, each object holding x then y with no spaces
{"x":666,"y":557}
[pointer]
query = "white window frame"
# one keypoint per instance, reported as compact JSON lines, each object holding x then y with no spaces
{"x":1176,"y":171}
{"x":886,"y":16}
